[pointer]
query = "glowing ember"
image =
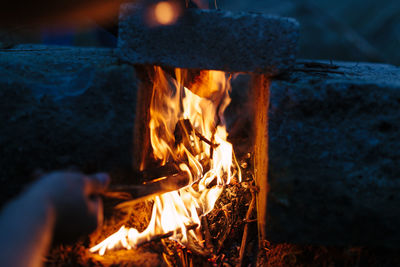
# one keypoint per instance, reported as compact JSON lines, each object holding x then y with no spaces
{"x":186,"y":127}
{"x":166,"y":13}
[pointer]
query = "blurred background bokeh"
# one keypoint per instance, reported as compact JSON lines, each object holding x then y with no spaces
{"x":349,"y":30}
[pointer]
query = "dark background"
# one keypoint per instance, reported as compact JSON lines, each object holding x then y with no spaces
{"x":350,"y":30}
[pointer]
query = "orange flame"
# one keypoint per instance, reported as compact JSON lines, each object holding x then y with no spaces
{"x":201,"y":150}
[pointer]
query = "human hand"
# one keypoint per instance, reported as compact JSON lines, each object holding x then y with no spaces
{"x":75,"y":199}
{"x":60,"y":206}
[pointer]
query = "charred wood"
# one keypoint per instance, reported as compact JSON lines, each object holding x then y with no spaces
{"x":137,"y":193}
{"x":142,"y":150}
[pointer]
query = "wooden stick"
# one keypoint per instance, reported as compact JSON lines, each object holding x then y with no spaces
{"x":246,"y":230}
{"x":159,"y":186}
{"x":156,"y":172}
{"x":166,"y":235}
{"x":184,"y":128}
{"x":142,"y":150}
{"x":260,"y":94}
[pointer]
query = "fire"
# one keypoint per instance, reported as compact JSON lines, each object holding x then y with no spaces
{"x":187,"y":127}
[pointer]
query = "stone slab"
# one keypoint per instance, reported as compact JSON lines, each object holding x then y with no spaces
{"x":334,"y":170}
{"x":210,"y":39}
{"x":63,"y":107}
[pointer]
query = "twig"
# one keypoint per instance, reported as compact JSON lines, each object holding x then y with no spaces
{"x":221,"y":260}
{"x":227,"y":232}
{"x":184,"y":127}
{"x":160,"y":186}
{"x":246,"y":229}
{"x":138,"y":193}
{"x":157,"y":238}
{"x":207,"y":235}
{"x":202,"y":138}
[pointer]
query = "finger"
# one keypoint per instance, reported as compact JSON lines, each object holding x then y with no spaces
{"x":97,"y":183}
{"x":95,"y":209}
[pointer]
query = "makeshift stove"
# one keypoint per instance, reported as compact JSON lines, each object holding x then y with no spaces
{"x":186,"y":60}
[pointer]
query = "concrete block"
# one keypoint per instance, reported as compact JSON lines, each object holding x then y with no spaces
{"x":334,"y":169}
{"x":210,"y":39}
{"x":63,"y":107}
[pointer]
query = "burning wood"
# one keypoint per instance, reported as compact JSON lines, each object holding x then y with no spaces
{"x":137,"y":193}
{"x":155,"y":173}
{"x":184,"y":129}
{"x":184,"y":124}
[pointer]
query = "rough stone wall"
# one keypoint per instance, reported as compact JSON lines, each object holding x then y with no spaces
{"x":334,"y":150}
{"x":210,"y":39}
{"x":334,"y":155}
{"x":63,"y":107}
